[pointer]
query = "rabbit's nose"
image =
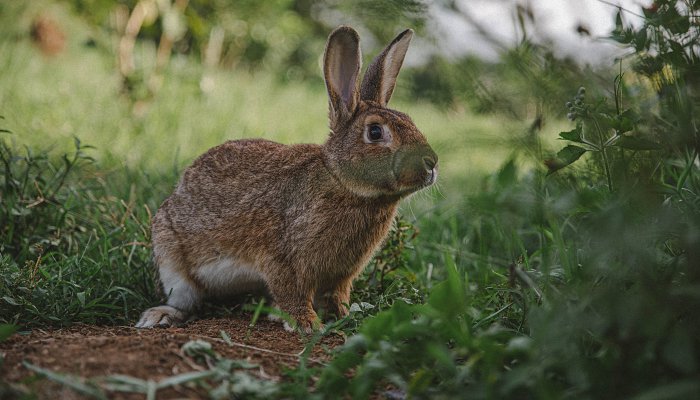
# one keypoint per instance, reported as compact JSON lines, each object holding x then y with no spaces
{"x":430,"y":161}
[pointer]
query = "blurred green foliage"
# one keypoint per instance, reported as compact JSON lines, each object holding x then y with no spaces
{"x":604,"y":257}
{"x":287,"y":36}
{"x":284,"y":35}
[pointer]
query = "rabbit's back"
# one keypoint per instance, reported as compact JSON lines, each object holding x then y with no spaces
{"x":236,"y":172}
{"x":236,"y":192}
{"x":236,"y":178}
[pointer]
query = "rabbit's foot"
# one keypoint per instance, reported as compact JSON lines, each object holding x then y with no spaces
{"x":161,"y":316}
{"x":306,"y":324}
{"x":299,"y":318}
{"x":336,"y":303}
{"x":336,"y":308}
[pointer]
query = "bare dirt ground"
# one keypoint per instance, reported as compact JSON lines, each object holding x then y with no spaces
{"x":97,"y":351}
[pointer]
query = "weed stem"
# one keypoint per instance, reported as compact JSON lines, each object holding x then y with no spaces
{"x":606,"y":164}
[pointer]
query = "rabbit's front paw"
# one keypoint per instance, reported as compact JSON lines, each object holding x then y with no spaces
{"x":304,"y":324}
{"x":161,"y":316}
{"x":336,"y":303}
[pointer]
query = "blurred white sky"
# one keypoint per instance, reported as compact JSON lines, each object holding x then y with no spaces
{"x":556,"y":22}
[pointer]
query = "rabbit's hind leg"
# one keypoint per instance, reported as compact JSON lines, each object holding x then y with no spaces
{"x":183,"y":296}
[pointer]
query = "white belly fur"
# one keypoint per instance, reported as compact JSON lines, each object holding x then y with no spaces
{"x":227,"y":276}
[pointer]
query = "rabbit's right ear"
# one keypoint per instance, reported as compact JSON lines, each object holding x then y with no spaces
{"x":380,"y":78}
{"x":341,"y":66}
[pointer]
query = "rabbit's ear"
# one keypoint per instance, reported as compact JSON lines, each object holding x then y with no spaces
{"x":341,"y":66}
{"x":380,"y":78}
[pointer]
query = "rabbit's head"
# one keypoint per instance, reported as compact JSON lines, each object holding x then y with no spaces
{"x":372,"y":150}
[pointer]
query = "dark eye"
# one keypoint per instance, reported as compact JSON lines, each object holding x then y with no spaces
{"x":375,"y":132}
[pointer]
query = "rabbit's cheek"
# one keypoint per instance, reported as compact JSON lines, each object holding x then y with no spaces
{"x":371,"y":172}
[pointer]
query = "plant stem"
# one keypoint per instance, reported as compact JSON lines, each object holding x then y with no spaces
{"x":606,"y":164}
{"x":686,"y":173}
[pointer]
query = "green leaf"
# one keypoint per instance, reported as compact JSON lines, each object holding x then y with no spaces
{"x":620,"y":34}
{"x":676,"y":47}
{"x":508,"y":173}
{"x":125,"y":383}
{"x":6,"y":330}
{"x":573,"y":135}
{"x":564,"y":157}
{"x":640,"y":40}
{"x":10,"y":300}
{"x":449,"y":296}
{"x":674,"y":21}
{"x":198,"y":347}
{"x":228,"y":364}
{"x":649,"y":12}
{"x":81,"y":298}
{"x":625,"y":121}
{"x":226,"y":337}
{"x":185,"y":378}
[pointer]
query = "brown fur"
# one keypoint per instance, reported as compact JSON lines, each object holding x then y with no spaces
{"x":306,"y":217}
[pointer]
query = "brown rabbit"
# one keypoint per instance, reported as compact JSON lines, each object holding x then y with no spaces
{"x":298,"y":221}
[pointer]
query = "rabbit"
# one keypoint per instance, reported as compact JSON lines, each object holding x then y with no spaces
{"x":301,"y":221}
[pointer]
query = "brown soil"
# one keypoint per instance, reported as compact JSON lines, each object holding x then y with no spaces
{"x":97,"y":351}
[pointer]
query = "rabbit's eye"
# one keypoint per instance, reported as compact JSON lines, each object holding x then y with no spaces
{"x":375,"y":133}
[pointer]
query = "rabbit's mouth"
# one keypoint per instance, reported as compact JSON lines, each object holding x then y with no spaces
{"x":432,"y":177}
{"x":429,"y":179}
{"x":422,"y":181}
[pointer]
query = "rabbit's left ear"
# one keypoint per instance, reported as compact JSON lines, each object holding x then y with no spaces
{"x":380,"y":78}
{"x":341,"y":66}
